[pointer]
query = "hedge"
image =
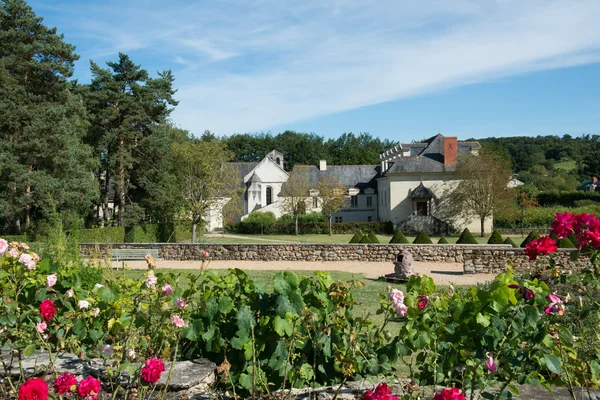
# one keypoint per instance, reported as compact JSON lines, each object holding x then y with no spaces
{"x":533,"y":235}
{"x":442,"y":240}
{"x":422,"y":238}
{"x":149,"y":233}
{"x":357,"y":237}
{"x":308,"y":217}
{"x":542,"y":216}
{"x":399,"y":237}
{"x":466,"y":237}
{"x":496,"y":238}
{"x":509,"y":240}
{"x":565,"y":198}
{"x":308,"y":228}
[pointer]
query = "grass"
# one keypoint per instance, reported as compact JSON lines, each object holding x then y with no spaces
{"x":566,"y":165}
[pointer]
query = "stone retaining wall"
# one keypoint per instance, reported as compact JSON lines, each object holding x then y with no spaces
{"x":476,"y":258}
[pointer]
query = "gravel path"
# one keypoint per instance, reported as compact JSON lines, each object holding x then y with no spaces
{"x":442,"y":273}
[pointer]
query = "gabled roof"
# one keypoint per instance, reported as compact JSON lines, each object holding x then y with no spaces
{"x":421,"y":192}
{"x":243,"y":169}
{"x":351,"y":176}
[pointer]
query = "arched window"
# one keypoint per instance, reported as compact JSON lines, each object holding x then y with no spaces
{"x":269,"y":195}
{"x":278,"y":161}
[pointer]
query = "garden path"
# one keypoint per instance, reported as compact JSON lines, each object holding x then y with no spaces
{"x":442,"y":273}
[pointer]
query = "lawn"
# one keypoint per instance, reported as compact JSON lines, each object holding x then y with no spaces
{"x":566,"y":165}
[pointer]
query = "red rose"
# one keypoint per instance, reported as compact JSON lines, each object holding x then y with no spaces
{"x":151,"y":372}
{"x":34,"y":389}
{"x":47,"y":309}
{"x":543,"y":245}
{"x":449,"y":394}
{"x":89,"y":388}
{"x":563,"y":224}
{"x":382,"y":392}
{"x":64,"y":383}
{"x":423,"y":300}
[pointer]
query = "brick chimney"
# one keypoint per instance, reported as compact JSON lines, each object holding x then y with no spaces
{"x":450,"y":149}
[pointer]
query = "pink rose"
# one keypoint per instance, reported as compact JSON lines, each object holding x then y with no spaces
{"x":179,"y":302}
{"x":205,"y":254}
{"x":541,"y":246}
{"x":25,"y":258}
{"x":167,"y":289}
{"x":51,"y":280}
{"x":14,"y":253}
{"x":96,"y":312}
{"x":178,"y":321}
{"x":401,"y":309}
{"x":70,"y":293}
{"x":41,"y":327}
{"x":556,"y":305}
{"x":396,"y":296}
{"x":151,"y":281}
{"x":3,"y":246}
{"x":491,"y":364}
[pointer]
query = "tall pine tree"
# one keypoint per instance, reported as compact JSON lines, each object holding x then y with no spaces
{"x":43,"y":161}
{"x":126,"y":107}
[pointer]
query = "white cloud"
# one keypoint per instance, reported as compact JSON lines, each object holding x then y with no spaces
{"x":250,"y":65}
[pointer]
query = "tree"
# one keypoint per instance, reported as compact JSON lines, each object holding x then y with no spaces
{"x":294,"y":193}
{"x":43,"y":161}
{"x":481,"y":190}
{"x":125,"y":106}
{"x":332,"y":194}
{"x":204,"y":177}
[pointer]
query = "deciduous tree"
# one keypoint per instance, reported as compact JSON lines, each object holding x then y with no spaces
{"x":294,"y":193}
{"x":332,"y":194}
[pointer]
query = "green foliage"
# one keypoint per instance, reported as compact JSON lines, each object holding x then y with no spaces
{"x":304,"y":218}
{"x":565,"y":243}
{"x":365,"y":238}
{"x":399,"y":237}
{"x":566,"y":198}
{"x":261,"y":217}
{"x":495,"y":238}
{"x":466,"y":238}
{"x":442,"y":240}
{"x":542,"y":216}
{"x":509,"y":240}
{"x":357,"y":237}
{"x":533,"y":235}
{"x":288,"y":228}
{"x":372,"y":237}
{"x":422,"y":238}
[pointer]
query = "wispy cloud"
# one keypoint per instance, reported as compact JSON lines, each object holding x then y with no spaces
{"x":249,"y":65}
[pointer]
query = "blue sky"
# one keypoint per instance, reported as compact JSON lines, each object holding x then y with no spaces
{"x":397,"y":69}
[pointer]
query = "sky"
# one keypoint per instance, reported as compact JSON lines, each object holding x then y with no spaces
{"x":400,"y":69}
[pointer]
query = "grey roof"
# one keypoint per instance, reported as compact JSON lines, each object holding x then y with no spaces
{"x":421,"y":192}
{"x":243,"y":168}
{"x":351,"y":176}
{"x":254,"y":178}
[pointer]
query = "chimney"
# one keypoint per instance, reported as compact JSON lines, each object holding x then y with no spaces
{"x":450,"y":149}
{"x":323,"y":165}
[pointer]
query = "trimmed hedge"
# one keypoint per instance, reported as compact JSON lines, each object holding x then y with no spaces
{"x":542,"y":216}
{"x":149,"y":233}
{"x":261,"y":217}
{"x":308,"y":217}
{"x":509,"y":240}
{"x":399,"y":237}
{"x":565,"y":198}
{"x":565,"y":243}
{"x":442,"y":240}
{"x":466,"y":238}
{"x":357,"y":237}
{"x":310,"y":228}
{"x":422,"y":238}
{"x":496,"y":238}
{"x":533,"y":235}
{"x":372,"y":237}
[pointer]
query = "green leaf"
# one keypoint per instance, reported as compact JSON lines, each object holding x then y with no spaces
{"x":29,"y":350}
{"x":532,"y":316}
{"x":96,"y":335}
{"x":239,"y":342}
{"x":595,"y":369}
{"x":193,"y":331}
{"x":282,"y":326}
{"x":246,"y":381}
{"x":565,"y":335}
{"x":483,"y":320}
{"x":421,"y":340}
{"x":245,"y":320}
{"x":553,"y":363}
{"x":225,"y":304}
{"x":574,"y":255}
{"x":306,"y":372}
{"x":105,"y":294}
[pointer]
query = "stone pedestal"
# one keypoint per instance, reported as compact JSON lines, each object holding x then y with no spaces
{"x":404,"y":266}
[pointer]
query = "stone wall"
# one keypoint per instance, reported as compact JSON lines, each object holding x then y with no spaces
{"x":476,"y":258}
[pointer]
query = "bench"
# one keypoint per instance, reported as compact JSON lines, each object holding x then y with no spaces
{"x":133,"y":254}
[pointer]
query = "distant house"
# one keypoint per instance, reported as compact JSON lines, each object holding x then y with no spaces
{"x":406,"y":188}
{"x":514,"y":182}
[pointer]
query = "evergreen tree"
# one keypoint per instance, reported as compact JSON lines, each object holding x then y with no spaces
{"x":373,"y":238}
{"x":509,"y":240}
{"x":42,"y":122}
{"x":125,"y":107}
{"x":356,"y":238}
{"x":442,"y":240}
{"x":399,"y":237}
{"x":533,"y":235}
{"x":422,"y":238}
{"x":466,"y":237}
{"x":496,"y":238}
{"x":365,"y":238}
{"x":565,"y":243}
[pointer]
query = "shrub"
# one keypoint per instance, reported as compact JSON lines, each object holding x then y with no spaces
{"x":442,"y":240}
{"x":373,"y":238}
{"x":314,"y":228}
{"x":357,"y":237}
{"x":532,"y":236}
{"x":509,"y":240}
{"x":399,"y":237}
{"x":496,"y":238}
{"x":466,"y":238}
{"x":566,"y":198}
{"x":365,"y":238}
{"x":308,"y":217}
{"x":422,"y":238}
{"x":542,"y":216}
{"x":261,"y":217}
{"x":565,"y":243}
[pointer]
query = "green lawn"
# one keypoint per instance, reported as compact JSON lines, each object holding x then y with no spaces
{"x":566,"y":165}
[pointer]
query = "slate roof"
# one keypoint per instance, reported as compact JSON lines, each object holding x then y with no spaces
{"x":351,"y":176}
{"x":421,"y":192}
{"x":243,"y":168}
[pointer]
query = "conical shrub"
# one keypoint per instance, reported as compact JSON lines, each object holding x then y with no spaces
{"x":422,"y":238}
{"x":565,"y":243}
{"x":365,"y":238}
{"x":532,"y":236}
{"x":466,"y":238}
{"x":399,"y":237}
{"x":356,"y":237}
{"x":510,"y":241}
{"x":496,"y":238}
{"x":442,"y":240}
{"x":373,"y":238}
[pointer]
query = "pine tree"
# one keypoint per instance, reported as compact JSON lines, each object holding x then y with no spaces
{"x":509,"y":240}
{"x":422,"y":238}
{"x":399,"y":237}
{"x":466,"y":237}
{"x":42,"y":122}
{"x":496,"y":238}
{"x":533,"y":235}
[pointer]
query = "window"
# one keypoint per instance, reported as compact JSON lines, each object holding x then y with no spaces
{"x":269,"y":195}
{"x":338,"y":219}
{"x":354,"y":201}
{"x":369,"y":201}
{"x":315,"y":202}
{"x":422,"y":208}
{"x":369,"y":218}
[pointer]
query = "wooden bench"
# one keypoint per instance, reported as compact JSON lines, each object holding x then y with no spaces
{"x":133,"y":254}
